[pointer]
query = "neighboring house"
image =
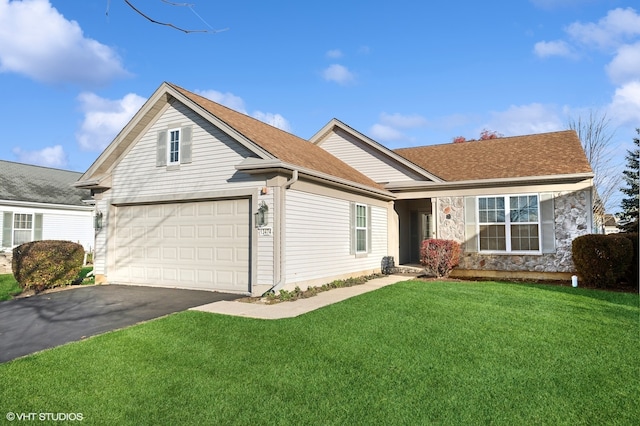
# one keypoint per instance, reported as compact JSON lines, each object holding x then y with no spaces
{"x":41,"y":203}
{"x":196,"y":195}
{"x":610,"y":225}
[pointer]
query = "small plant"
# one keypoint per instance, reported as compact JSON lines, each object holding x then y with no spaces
{"x":297,"y":293}
{"x":439,"y":257}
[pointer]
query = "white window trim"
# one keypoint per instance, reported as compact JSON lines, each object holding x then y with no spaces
{"x":14,"y":228}
{"x":361,"y":228}
{"x":169,"y":131}
{"x":507,"y":224}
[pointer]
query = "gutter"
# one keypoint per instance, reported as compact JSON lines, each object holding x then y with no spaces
{"x":280,"y":241}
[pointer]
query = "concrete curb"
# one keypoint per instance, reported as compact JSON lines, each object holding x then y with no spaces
{"x":301,"y":306}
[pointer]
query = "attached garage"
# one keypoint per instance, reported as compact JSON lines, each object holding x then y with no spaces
{"x":202,"y":245}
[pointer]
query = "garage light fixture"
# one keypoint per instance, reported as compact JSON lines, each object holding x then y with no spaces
{"x":97,"y":220}
{"x":261,"y":216}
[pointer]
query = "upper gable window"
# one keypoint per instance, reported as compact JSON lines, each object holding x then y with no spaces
{"x":174,"y":146}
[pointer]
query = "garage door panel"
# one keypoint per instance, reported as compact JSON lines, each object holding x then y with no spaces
{"x":200,"y":245}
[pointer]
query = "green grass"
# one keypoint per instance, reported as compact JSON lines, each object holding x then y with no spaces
{"x":9,"y":287}
{"x":411,"y":353}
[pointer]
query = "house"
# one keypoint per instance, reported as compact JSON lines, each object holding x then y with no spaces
{"x":195,"y":195}
{"x":610,"y":225}
{"x":41,"y":203}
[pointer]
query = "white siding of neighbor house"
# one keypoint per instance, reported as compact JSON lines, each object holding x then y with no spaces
{"x":317,"y":238}
{"x":365,"y":159}
{"x":60,"y":224}
{"x":214,"y":157}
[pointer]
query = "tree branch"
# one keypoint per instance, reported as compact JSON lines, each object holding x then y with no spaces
{"x":168,"y":24}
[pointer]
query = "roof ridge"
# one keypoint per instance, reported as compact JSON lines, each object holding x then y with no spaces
{"x":40,"y":166}
{"x":485,"y":140}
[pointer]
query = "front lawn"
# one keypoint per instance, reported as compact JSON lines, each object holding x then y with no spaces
{"x":9,"y":287}
{"x":412,"y":353}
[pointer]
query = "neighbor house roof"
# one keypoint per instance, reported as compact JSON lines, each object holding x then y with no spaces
{"x":544,"y":154}
{"x":35,"y":184}
{"x":284,"y":146}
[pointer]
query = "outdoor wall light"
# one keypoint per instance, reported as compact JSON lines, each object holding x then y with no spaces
{"x":97,"y":220}
{"x":262,"y":218}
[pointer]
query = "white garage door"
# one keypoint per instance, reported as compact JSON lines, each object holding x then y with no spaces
{"x":198,"y":245}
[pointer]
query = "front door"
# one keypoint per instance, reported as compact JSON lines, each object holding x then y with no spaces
{"x":420,"y":231}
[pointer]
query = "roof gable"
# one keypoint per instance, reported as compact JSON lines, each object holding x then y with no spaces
{"x":544,"y":154}
{"x":36,"y":184}
{"x":266,"y":141}
{"x":362,"y":145}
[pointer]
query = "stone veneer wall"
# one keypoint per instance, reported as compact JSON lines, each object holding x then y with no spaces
{"x":571,"y":211}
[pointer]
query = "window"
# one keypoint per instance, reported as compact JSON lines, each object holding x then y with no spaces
{"x":22,"y":228}
{"x":174,"y":146}
{"x":361,"y":228}
{"x":509,"y":223}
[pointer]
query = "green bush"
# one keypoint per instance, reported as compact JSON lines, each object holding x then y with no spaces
{"x":631,"y":277}
{"x":40,"y":265}
{"x":602,"y":260}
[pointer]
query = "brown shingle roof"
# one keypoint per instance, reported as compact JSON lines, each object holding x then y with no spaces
{"x":543,"y":154}
{"x":282,"y":145}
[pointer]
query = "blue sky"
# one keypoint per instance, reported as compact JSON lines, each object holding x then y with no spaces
{"x":405,"y":73}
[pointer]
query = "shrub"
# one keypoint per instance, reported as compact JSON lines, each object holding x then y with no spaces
{"x":40,"y":265}
{"x":602,"y":260}
{"x":631,"y":277}
{"x":439,"y":257}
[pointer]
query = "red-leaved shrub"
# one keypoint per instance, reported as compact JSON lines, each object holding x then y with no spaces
{"x":439,"y":257}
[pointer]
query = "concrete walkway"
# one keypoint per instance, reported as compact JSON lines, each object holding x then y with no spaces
{"x":300,"y":306}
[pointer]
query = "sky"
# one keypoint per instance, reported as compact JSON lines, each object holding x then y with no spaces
{"x":405,"y":73}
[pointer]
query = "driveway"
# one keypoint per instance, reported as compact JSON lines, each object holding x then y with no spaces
{"x":39,"y":322}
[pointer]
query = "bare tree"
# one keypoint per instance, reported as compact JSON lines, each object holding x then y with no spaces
{"x":596,"y":135}
{"x":168,"y":24}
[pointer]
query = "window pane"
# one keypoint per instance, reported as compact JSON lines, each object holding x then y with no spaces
{"x":524,"y":238}
{"x":492,"y":237}
{"x":361,"y":240}
{"x":361,"y":216}
{"x":21,"y":237}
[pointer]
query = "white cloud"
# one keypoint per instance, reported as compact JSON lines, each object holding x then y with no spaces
{"x":625,"y":66}
{"x":552,"y":48}
{"x":525,"y":119}
{"x":227,"y":99}
{"x":334,"y":53}
{"x":338,"y":73}
{"x":275,"y":120}
{"x":614,"y":29}
{"x":383,"y":133}
{"x":625,"y":105}
{"x":403,"y":121}
{"x":37,"y":41}
{"x":52,"y":156}
{"x":104,"y":118}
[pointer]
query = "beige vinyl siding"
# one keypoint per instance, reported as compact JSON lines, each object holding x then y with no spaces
{"x":265,"y":257}
{"x":317,"y":238}
{"x":214,"y":157}
{"x":100,"y":257}
{"x":365,"y":159}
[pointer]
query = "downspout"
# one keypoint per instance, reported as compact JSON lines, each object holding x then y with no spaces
{"x":281,"y":233}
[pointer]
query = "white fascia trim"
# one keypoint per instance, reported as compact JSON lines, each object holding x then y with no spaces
{"x":315,"y":139}
{"x":255,"y":165}
{"x":484,"y":183}
{"x":32,"y":205}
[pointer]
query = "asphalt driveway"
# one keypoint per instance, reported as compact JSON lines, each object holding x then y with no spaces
{"x":47,"y":320}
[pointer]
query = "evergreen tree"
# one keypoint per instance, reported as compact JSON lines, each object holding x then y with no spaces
{"x":629,"y":216}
